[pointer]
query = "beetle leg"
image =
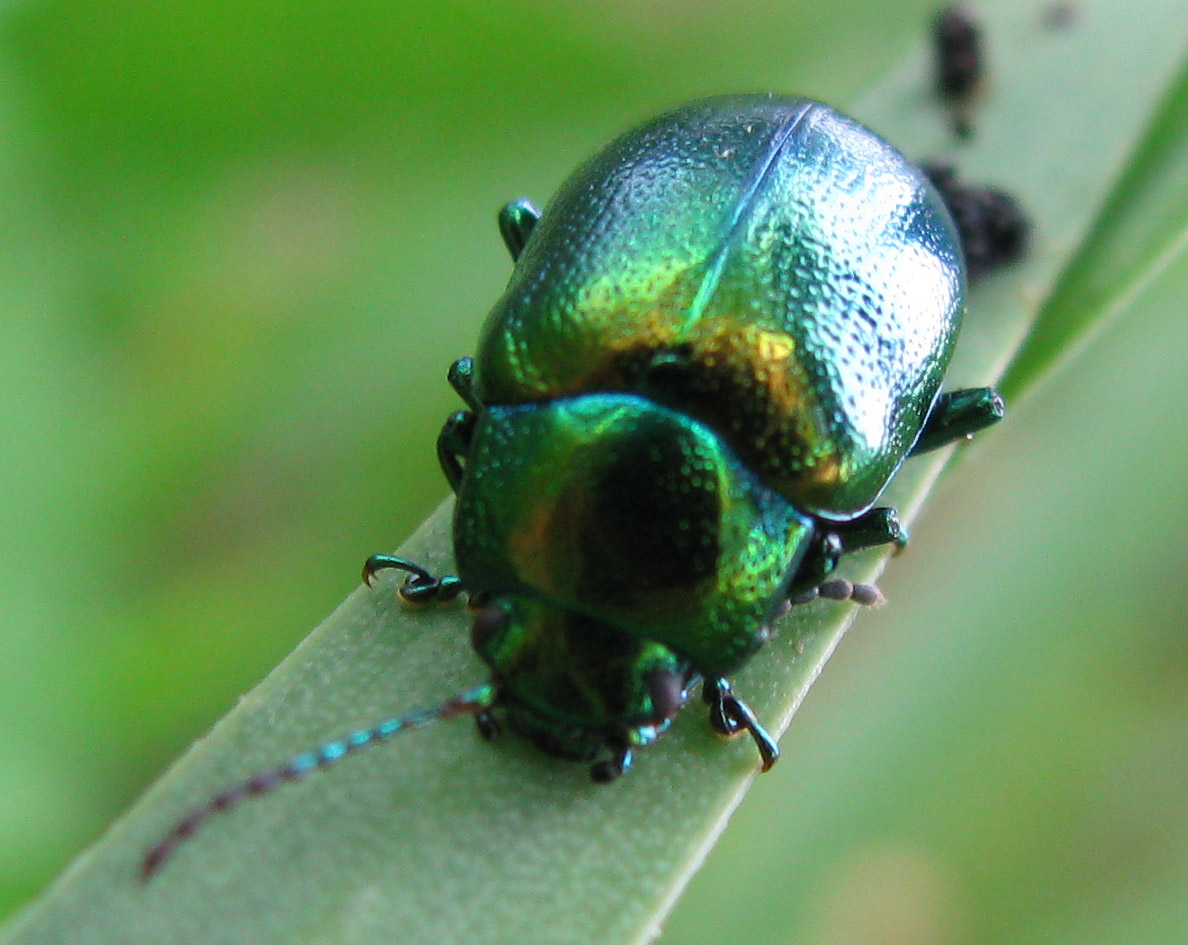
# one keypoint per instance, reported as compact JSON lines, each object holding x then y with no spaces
{"x":821,"y":558}
{"x":461,"y":378}
{"x":879,"y":526}
{"x":959,"y":414}
{"x":729,"y":715}
{"x":420,"y":586}
{"x":713,"y":691}
{"x":614,"y":767}
{"x":488,"y":725}
{"x":876,"y":527}
{"x":516,"y":221}
{"x":454,"y":442}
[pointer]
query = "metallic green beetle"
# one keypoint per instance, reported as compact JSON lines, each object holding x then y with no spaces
{"x":720,"y":340}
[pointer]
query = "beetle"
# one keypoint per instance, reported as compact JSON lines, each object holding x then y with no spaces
{"x":719,"y":342}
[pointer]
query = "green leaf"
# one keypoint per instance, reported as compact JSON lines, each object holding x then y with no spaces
{"x":1140,"y":234}
{"x":441,"y":837}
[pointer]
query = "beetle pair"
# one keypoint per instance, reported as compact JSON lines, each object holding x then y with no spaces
{"x":719,"y":342}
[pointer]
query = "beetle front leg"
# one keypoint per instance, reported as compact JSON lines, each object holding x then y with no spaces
{"x":959,"y":414}
{"x":729,"y":715}
{"x":420,"y":586}
{"x":614,"y":767}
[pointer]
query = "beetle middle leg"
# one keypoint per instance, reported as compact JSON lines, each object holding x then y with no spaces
{"x":730,"y":715}
{"x":453,"y":445}
{"x":879,"y":526}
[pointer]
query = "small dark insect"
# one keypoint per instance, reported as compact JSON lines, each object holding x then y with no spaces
{"x":960,"y":62}
{"x":992,"y":225}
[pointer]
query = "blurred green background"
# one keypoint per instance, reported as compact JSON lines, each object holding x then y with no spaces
{"x":241,"y":244}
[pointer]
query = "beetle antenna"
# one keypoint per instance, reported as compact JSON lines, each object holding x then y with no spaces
{"x":476,"y":702}
{"x":865,"y":595}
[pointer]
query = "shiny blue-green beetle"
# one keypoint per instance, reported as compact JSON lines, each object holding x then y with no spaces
{"x":719,"y":342}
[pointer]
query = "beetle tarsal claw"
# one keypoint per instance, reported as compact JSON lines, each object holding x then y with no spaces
{"x":729,"y":715}
{"x":420,"y":586}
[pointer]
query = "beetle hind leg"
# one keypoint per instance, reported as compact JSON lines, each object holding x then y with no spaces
{"x":878,"y":526}
{"x":958,"y":414}
{"x":729,"y":715}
